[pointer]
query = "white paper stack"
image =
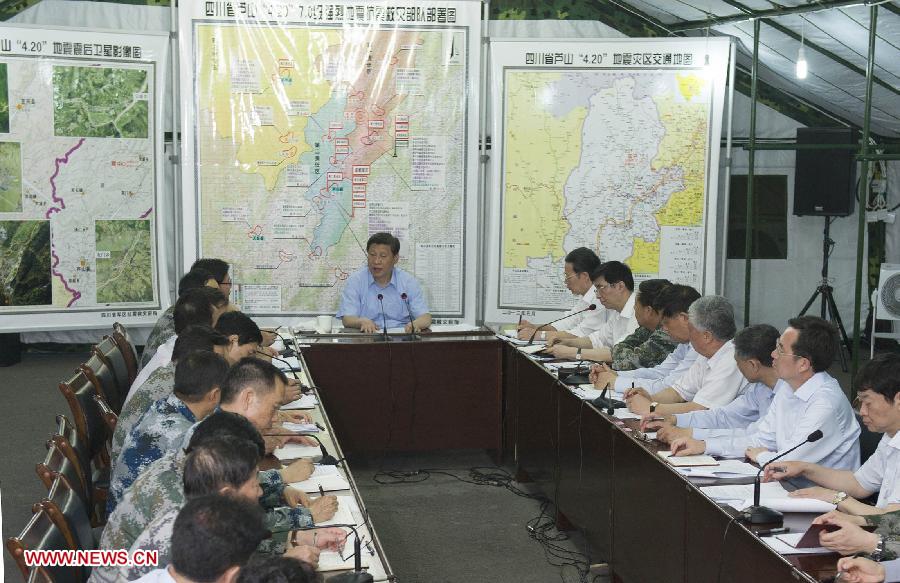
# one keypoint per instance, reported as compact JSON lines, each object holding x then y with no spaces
{"x":329,"y":478}
{"x":293,"y":451}
{"x":772,"y":495}
{"x":725,"y":469}
{"x":300,"y":427}
{"x":625,"y":414}
{"x":344,"y":514}
{"x":287,"y":363}
{"x":307,"y":401}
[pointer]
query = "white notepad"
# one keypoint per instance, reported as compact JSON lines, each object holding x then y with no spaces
{"x":344,"y":514}
{"x":307,"y":401}
{"x":328,"y":477}
{"x":688,"y":460}
{"x":293,"y":451}
{"x":772,"y":495}
{"x":300,"y":427}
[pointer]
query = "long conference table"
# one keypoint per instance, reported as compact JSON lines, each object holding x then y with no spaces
{"x":451,"y":390}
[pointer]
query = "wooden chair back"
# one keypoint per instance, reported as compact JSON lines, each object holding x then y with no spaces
{"x":103,"y":378}
{"x":79,"y":393}
{"x":41,"y":533}
{"x":126,"y":346}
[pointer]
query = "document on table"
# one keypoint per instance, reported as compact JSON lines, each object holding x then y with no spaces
{"x":344,"y":514}
{"x":588,"y":392}
{"x":293,"y":451}
{"x":625,"y":414}
{"x":455,"y":328}
{"x":307,"y":401}
{"x":785,"y":544}
{"x":328,"y":477}
{"x":300,"y":427}
{"x":532,"y":349}
{"x":772,"y":495}
{"x":725,"y":469}
{"x":688,"y":460}
{"x":334,"y":561}
{"x":287,"y":363}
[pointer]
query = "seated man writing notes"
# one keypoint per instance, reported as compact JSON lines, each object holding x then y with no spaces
{"x":615,"y":291}
{"x":753,"y":347}
{"x":401,"y":296}
{"x":714,"y":379}
{"x":807,"y":399}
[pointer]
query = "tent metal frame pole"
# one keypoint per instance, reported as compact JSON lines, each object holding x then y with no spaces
{"x":863,"y":197}
{"x":757,"y":14}
{"x":483,"y":161}
{"x":729,"y":160}
{"x":748,"y":225}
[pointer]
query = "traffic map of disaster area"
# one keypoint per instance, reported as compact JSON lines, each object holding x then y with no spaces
{"x":311,"y":138}
{"x":77,"y":184}
{"x":613,"y":160}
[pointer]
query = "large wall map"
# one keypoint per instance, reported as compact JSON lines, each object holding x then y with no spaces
{"x":77,"y":180}
{"x":614,"y":156}
{"x":311,"y":138}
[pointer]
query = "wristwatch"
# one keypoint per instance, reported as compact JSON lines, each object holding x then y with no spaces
{"x":578,"y":354}
{"x":839,"y":497}
{"x":653,"y":406}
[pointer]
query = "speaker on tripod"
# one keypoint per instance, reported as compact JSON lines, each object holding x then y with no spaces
{"x":825,"y":186}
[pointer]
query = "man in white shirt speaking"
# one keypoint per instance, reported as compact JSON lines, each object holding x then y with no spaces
{"x":807,"y":399}
{"x":580,"y":263}
{"x":879,"y":405}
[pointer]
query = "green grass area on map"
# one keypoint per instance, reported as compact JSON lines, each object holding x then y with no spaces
{"x":10,"y":177}
{"x":4,"y":100}
{"x":25,"y":263}
{"x":124,"y":266}
{"x":99,"y":102}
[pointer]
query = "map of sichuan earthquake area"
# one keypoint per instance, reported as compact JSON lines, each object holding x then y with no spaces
{"x":312,"y":138}
{"x":611,"y":160}
{"x":76,"y":185}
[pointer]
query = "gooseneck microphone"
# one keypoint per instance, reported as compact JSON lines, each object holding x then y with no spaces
{"x":587,"y":309}
{"x":758,"y":514}
{"x":383,"y":317}
{"x":412,"y":322}
{"x":327,"y":458}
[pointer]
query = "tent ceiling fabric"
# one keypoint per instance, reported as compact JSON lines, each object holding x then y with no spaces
{"x":830,"y":85}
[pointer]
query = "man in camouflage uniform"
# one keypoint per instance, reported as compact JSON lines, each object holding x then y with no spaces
{"x":161,"y":382}
{"x":204,"y":474}
{"x":159,"y":490}
{"x":198,"y":380}
{"x":649,"y":345}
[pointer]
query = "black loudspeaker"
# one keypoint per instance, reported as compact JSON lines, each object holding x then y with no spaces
{"x":825,"y":180}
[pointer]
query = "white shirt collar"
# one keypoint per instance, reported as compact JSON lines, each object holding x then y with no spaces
{"x":628,"y":309}
{"x":726,"y":350}
{"x":807,"y":389}
{"x":895,"y":441}
{"x":590,"y":297}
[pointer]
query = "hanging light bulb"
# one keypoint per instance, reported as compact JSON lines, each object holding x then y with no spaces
{"x":802,"y":65}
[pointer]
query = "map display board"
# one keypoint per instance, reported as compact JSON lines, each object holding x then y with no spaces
{"x":80,"y":177}
{"x":611,"y":145}
{"x":311,"y":126}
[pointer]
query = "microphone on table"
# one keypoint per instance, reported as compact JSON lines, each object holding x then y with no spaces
{"x":604,"y":402}
{"x":412,"y":323}
{"x":327,"y":458}
{"x":357,"y":575}
{"x":383,"y":317}
{"x":533,"y":334}
{"x":758,"y":514}
{"x":288,"y":351}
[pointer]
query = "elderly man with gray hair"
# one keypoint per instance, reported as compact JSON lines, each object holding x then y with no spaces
{"x":714,"y":379}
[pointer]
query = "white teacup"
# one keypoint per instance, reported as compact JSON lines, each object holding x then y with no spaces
{"x":324,"y":324}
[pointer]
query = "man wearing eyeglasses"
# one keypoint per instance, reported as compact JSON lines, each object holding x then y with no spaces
{"x":400,"y":293}
{"x":807,"y":399}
